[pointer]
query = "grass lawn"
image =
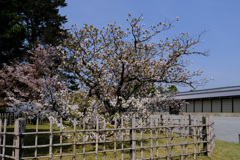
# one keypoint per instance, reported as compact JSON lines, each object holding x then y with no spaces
{"x":222,"y":151}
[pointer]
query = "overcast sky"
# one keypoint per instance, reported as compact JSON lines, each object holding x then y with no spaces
{"x":220,"y":18}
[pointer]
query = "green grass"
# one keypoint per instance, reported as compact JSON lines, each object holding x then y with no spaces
{"x":222,"y":151}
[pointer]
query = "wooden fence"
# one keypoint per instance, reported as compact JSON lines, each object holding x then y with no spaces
{"x":162,"y":137}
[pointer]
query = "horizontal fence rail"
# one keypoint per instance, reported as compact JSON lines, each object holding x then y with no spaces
{"x":161,"y":137}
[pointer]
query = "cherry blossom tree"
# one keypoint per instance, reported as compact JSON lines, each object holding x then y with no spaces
{"x":118,"y":73}
{"x":33,"y":82}
{"x":116,"y":66}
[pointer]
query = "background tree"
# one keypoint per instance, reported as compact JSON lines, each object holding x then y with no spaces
{"x":12,"y":32}
{"x":171,"y":88}
{"x":25,"y":23}
{"x":114,"y":69}
{"x":42,"y":20}
{"x":30,"y":82}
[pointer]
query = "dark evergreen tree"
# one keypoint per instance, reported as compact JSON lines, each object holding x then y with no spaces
{"x":12,"y":31}
{"x":42,"y":20}
{"x":24,"y":23}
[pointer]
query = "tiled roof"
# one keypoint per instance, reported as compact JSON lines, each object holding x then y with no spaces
{"x":210,"y":93}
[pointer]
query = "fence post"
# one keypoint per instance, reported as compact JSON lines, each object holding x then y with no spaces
{"x":161,"y":123}
{"x":133,"y":139}
{"x":212,"y":142}
{"x":205,"y":134}
{"x":4,"y":138}
{"x":194,"y":138}
{"x":22,"y":130}
{"x":1,"y":135}
{"x":97,"y":135}
{"x":239,"y":137}
{"x":75,"y":138}
{"x":17,"y":140}
{"x":190,"y":123}
{"x":208,"y":121}
{"x":50,"y":139}
{"x":19,"y":128}
{"x":151,"y":136}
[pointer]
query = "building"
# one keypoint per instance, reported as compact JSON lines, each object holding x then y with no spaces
{"x":216,"y":100}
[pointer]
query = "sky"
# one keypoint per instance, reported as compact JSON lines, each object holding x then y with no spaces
{"x":219,"y":18}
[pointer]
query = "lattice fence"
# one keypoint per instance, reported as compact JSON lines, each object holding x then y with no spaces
{"x":161,"y":137}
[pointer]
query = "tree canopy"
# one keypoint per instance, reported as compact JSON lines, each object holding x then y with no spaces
{"x":24,"y":23}
{"x":114,"y":72}
{"x":30,"y":82}
{"x":115,"y":65}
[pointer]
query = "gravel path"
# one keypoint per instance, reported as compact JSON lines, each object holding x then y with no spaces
{"x":227,"y":128}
